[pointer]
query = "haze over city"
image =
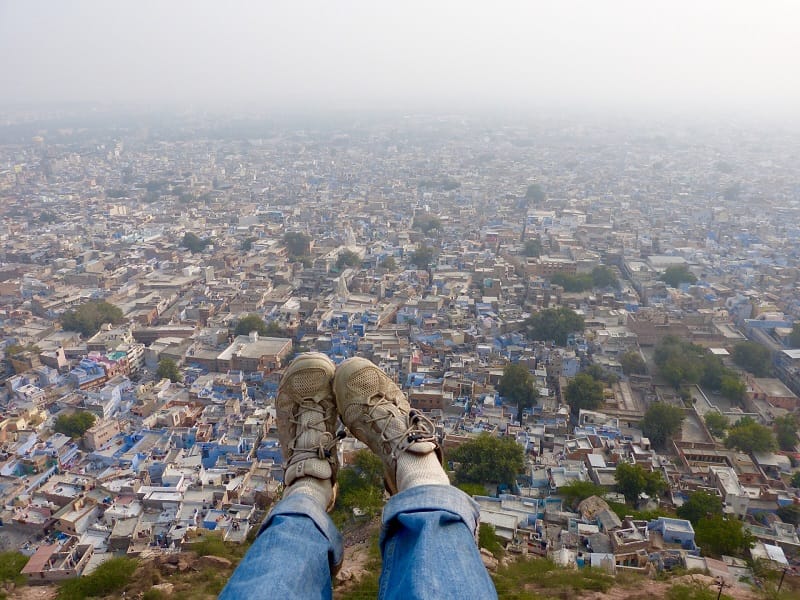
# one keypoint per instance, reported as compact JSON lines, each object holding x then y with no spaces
{"x":716,"y":56}
{"x":525,"y":274}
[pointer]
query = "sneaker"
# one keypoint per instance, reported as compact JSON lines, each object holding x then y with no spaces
{"x":377,"y":413}
{"x":306,"y":416}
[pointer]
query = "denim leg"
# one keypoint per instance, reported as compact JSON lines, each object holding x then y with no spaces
{"x":428,"y":546}
{"x":293,"y":556}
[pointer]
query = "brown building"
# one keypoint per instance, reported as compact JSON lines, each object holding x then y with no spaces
{"x":57,"y":562}
{"x":428,"y":400}
{"x":100,"y":433}
{"x":252,"y":353}
{"x":547,"y":266}
{"x":773,"y":391}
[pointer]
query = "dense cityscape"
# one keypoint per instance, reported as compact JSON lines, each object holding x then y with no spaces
{"x":617,"y":298}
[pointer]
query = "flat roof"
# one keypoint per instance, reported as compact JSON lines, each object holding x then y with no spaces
{"x":243,"y":346}
{"x":774,"y":387}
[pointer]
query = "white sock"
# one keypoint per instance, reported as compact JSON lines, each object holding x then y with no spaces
{"x":320,"y":490}
{"x":419,"y":469}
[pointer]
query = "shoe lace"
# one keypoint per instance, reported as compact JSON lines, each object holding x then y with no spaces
{"x":325,"y":442}
{"x":419,"y":428}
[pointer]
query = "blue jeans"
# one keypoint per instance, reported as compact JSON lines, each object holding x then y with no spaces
{"x":427,"y":543}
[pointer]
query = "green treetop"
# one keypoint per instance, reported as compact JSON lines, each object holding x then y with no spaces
{"x":749,"y":436}
{"x":75,"y":424}
{"x":488,"y":459}
{"x":700,"y":505}
{"x":518,"y":386}
{"x":168,"y":369}
{"x":753,"y":357}
{"x":297,"y":244}
{"x":678,"y":274}
{"x":553,"y":324}
{"x":89,"y":316}
{"x":632,"y":480}
{"x":661,"y":422}
{"x":584,"y":391}
{"x":251,"y":322}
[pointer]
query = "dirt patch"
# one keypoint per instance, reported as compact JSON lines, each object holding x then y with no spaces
{"x":649,"y":589}
{"x":36,"y":592}
{"x":359,"y":553}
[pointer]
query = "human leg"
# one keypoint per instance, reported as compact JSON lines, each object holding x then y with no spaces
{"x":293,"y":557}
{"x":428,"y":537}
{"x":298,"y":548}
{"x":428,"y":546}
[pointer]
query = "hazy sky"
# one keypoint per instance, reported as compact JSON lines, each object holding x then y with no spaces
{"x":732,"y":55}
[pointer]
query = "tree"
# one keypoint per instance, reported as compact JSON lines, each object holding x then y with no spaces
{"x":731,"y":192}
{"x":426,"y":222}
{"x":794,"y":337}
{"x":796,"y":480}
{"x":678,"y":274}
{"x":717,"y":423}
{"x":251,"y":322}
{"x":576,"y":491}
{"x":275,"y":330}
{"x":168,"y":369}
{"x":553,"y":324}
{"x":347,"y":258}
{"x":572,"y":283}
{"x":247,"y":244}
{"x":752,"y":357}
{"x":786,"y":432}
{"x":11,"y":565}
{"x":488,"y":539}
{"x":534,"y":194}
{"x":89,"y":316}
{"x":518,"y":386}
{"x":661,"y":422}
{"x":790,"y":514}
{"x":107,"y":580}
{"x":297,"y":244}
{"x":584,"y":391}
{"x":422,"y":257}
{"x":597,"y":372}
{"x":680,"y":362}
{"x":733,"y":388}
{"x":718,"y":536}
{"x":48,"y":217}
{"x":749,"y":436}
{"x":74,"y":425}
{"x":533,"y":247}
{"x":713,"y":372}
{"x":700,"y":505}
{"x":15,"y":349}
{"x":193,"y":243}
{"x":633,"y":363}
{"x":361,"y":484}
{"x":389,"y":263}
{"x":603,"y":277}
{"x":632,"y":480}
{"x":488,"y":459}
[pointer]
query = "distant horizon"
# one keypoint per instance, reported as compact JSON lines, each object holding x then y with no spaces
{"x":715,"y":57}
{"x":46,"y":111}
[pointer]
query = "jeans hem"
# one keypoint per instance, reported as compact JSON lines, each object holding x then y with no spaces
{"x":302,"y":504}
{"x":423,"y":498}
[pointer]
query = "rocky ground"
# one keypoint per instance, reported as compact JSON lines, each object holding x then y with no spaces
{"x":186,"y":575}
